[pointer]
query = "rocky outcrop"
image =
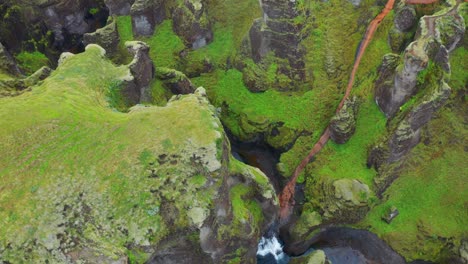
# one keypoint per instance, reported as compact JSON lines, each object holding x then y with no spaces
{"x":146,"y":15}
{"x":15,"y":87}
{"x":175,"y":81}
{"x":397,"y":84}
{"x":8,"y":63}
{"x":141,"y":69}
{"x":280,"y":33}
{"x":343,"y":124}
{"x":387,"y":156}
{"x":344,"y":200}
{"x":119,"y":7}
{"x":191,"y":23}
{"x":106,"y":37}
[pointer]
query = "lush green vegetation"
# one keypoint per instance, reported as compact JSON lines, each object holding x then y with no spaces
{"x":430,"y":194}
{"x":31,"y":61}
{"x":63,"y":145}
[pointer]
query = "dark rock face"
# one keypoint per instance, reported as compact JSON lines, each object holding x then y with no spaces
{"x":146,"y":14}
{"x":280,"y":33}
{"x":50,"y":27}
{"x":106,"y":37}
{"x":67,"y":19}
{"x":119,"y":7}
{"x":372,"y":248}
{"x":142,"y":70}
{"x":191,"y":24}
{"x":7,"y":62}
{"x":179,"y":248}
{"x":175,"y":81}
{"x":394,"y":87}
{"x":343,"y":124}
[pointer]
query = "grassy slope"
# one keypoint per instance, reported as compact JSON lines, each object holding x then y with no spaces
{"x":61,"y":140}
{"x":431,"y":193}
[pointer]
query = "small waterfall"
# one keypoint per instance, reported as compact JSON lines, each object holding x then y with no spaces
{"x":270,"y":251}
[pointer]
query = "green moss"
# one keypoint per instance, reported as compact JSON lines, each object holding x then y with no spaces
{"x":459,"y":67}
{"x":165,"y":45}
{"x":124,"y":25}
{"x":245,"y":210}
{"x":429,"y":195}
{"x":75,"y":152}
{"x":31,"y":61}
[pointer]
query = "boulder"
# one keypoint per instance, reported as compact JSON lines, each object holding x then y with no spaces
{"x":344,"y":200}
{"x":175,"y":81}
{"x":119,"y":7}
{"x":391,"y":214}
{"x":8,"y":63}
{"x":106,"y":37}
{"x":146,"y":15}
{"x":405,"y":18}
{"x":343,"y":124}
{"x":191,"y":23}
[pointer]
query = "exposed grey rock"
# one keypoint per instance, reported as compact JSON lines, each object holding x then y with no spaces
{"x":463,"y":251}
{"x":343,"y":124}
{"x":191,"y":23}
{"x":279,"y":33}
{"x":405,"y":18}
{"x":392,"y":213}
{"x":106,"y":37}
{"x":395,"y":87}
{"x":119,"y":7}
{"x":7,"y":62}
{"x":175,"y":81}
{"x":388,"y":156}
{"x":146,"y":14}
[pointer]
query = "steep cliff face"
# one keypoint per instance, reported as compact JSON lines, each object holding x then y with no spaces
{"x":277,"y":34}
{"x":402,"y":92}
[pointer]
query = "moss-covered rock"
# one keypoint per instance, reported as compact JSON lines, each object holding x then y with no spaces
{"x":191,"y":23}
{"x":175,"y":81}
{"x":106,"y":37}
{"x":99,"y":185}
{"x":8,"y":63}
{"x":343,"y":124}
{"x":146,"y":15}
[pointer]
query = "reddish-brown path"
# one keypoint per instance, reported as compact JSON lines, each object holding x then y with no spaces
{"x":286,"y":197}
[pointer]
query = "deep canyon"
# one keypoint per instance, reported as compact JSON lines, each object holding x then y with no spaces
{"x":222,"y":131}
